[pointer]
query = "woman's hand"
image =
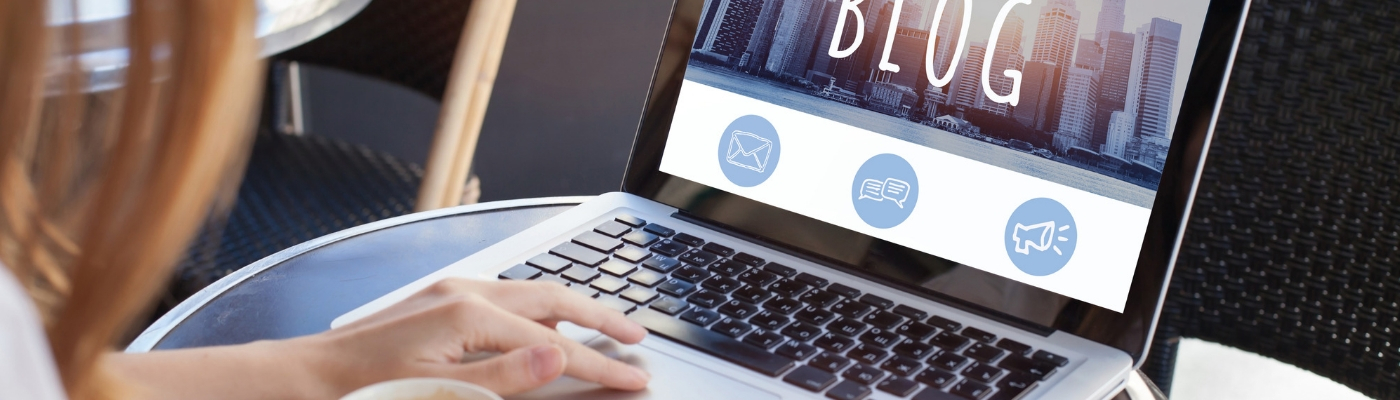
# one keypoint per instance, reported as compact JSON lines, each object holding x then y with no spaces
{"x":428,"y":334}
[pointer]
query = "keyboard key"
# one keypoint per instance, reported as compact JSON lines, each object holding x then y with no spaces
{"x":632,"y":254}
{"x":579,"y":254}
{"x":660,"y":230}
{"x":609,"y":285}
{"x":821,"y":298}
{"x":688,"y":239}
{"x":911,"y":312}
{"x":738,"y":309}
{"x":781,"y":270}
{"x":802,"y":331}
{"x":950,"y":341}
{"x":1016,"y":382}
{"x":580,"y":275}
{"x":843,"y":290}
{"x":670,"y":248}
{"x":662,"y":264}
{"x":1049,"y":357}
{"x":949,"y":362}
{"x":1036,"y":368}
{"x":816,"y":281}
{"x":676,"y":287}
{"x":984,"y":352}
{"x":864,"y":374}
{"x":935,"y":394}
{"x":613,"y":229}
{"x":630,"y":221}
{"x":984,"y":373}
{"x":867,"y":354}
{"x":549,"y":263}
{"x":834,"y":343}
{"x":847,"y":327}
{"x":764,"y":339}
{"x":917,"y":330}
{"x":936,"y":378}
{"x":758,"y":277}
{"x":691,"y":274}
{"x":722,"y":284}
{"x":670,"y":305}
{"x":810,"y":378}
{"x":1017,"y":348}
{"x":783,"y":306}
{"x":769,"y":320}
{"x":796,"y":350}
{"x":979,"y":335}
{"x":639,"y":295}
{"x":899,"y":387}
{"x":944,"y":323}
{"x":789,"y":288}
{"x":596,"y":241}
{"x":815,"y":316}
{"x":848,"y":390}
{"x":713,"y":343}
{"x":700,"y":316}
{"x":718,"y":249}
{"x":646,"y":277}
{"x":729,"y":268}
{"x":749,"y":259}
{"x":732,"y":327}
{"x":881,"y":338}
{"x":699,"y":258}
{"x":584,"y":290}
{"x":830,"y":362}
{"x":708,"y":299}
{"x":752,"y":294}
{"x":877,"y":301}
{"x":622,"y":306}
{"x":970,"y":390}
{"x":520,"y":272}
{"x":852,"y":309}
{"x":884,"y":320}
{"x":616,"y":267}
{"x":915,"y":349}
{"x":902,"y":366}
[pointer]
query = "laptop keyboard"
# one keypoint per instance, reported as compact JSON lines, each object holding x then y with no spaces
{"x":798,"y":327}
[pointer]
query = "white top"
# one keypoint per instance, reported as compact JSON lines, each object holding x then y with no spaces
{"x":27,"y":370}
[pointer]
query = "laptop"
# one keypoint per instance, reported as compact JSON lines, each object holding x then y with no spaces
{"x":894,"y":199}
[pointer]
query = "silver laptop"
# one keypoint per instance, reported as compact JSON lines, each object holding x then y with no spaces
{"x":894,"y":199}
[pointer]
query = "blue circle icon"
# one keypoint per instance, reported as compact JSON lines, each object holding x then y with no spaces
{"x":885,"y":191}
{"x":1041,"y":236}
{"x":749,"y":151}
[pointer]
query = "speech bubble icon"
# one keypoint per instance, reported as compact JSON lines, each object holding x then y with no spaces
{"x":896,"y":191}
{"x":871,"y":189}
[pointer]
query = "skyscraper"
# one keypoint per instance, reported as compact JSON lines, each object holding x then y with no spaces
{"x":1056,"y":33}
{"x":1113,"y":86}
{"x":852,"y":70}
{"x":966,"y":88}
{"x":908,"y":54}
{"x":1077,"y":116}
{"x":948,"y":30}
{"x":764,"y":28}
{"x":1111,"y":18}
{"x":727,"y":26}
{"x":912,"y":16}
{"x":1120,"y":129}
{"x":821,"y":60}
{"x":798,"y":26}
{"x":1040,"y":86}
{"x":1089,"y":55}
{"x":1006,"y":58}
{"x":1154,"y":76}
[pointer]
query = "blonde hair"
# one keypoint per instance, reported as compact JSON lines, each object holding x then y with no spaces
{"x":101,"y":192}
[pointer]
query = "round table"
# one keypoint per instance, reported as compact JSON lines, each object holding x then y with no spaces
{"x":298,"y":291}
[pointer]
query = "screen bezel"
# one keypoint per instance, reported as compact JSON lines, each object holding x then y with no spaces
{"x":1129,"y":331}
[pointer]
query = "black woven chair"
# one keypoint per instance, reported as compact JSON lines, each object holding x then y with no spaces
{"x":1291,"y":251}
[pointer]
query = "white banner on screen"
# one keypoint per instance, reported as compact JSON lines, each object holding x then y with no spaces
{"x":963,"y":205}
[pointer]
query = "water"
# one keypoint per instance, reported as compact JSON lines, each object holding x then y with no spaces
{"x":902,"y":129}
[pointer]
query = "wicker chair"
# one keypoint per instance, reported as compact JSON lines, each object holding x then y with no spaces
{"x":1292,"y":248}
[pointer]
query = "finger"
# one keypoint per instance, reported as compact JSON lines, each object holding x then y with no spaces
{"x":518,"y":371}
{"x":546,"y":301}
{"x":507,"y":331}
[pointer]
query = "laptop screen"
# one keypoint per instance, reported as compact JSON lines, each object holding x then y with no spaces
{"x":1025,"y":139}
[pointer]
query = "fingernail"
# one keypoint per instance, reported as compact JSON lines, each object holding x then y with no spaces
{"x":544,"y":362}
{"x":641,"y":375}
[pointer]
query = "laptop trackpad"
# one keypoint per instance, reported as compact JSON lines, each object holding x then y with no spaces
{"x":671,"y":378}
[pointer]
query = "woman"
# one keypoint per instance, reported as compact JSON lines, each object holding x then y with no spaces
{"x":101,"y":193}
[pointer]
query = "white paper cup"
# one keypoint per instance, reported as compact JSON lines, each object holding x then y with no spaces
{"x":422,"y":389}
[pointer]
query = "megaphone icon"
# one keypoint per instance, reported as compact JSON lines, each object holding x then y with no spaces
{"x":1040,"y":237}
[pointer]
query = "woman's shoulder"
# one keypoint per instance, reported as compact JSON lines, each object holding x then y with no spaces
{"x":27,"y":370}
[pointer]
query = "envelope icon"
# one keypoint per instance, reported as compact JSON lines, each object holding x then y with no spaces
{"x":749,"y":151}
